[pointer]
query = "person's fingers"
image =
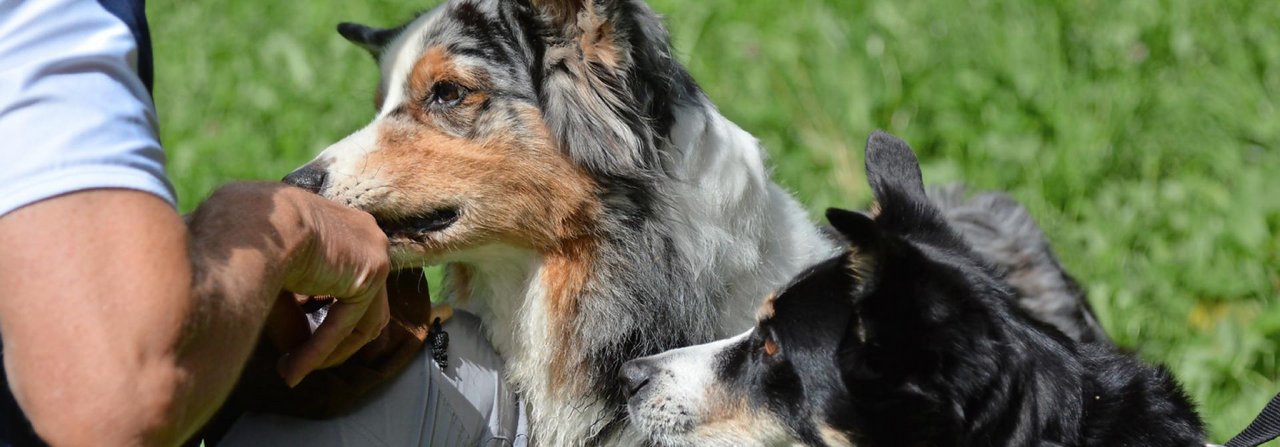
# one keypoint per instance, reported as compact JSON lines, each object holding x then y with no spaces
{"x":342,"y":318}
{"x":348,"y":260}
{"x":286,"y":326}
{"x":370,"y":326}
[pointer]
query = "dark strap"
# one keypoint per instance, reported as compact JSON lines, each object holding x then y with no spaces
{"x":134,"y":15}
{"x":1265,"y":428}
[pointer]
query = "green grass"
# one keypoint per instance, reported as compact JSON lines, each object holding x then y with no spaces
{"x":1144,"y":134}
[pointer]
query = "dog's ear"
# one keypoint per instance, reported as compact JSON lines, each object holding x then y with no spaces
{"x":866,"y":243}
{"x":603,"y":70}
{"x":858,"y":228}
{"x":894,"y":174}
{"x":373,"y":40}
{"x":892,"y":166}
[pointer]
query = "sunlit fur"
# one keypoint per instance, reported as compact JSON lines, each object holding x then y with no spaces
{"x":607,"y":209}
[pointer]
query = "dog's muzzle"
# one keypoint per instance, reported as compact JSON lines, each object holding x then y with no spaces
{"x":636,"y":374}
{"x":309,"y":177}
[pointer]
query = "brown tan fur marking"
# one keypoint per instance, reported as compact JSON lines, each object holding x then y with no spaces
{"x":766,"y":308}
{"x":512,"y":185}
{"x":861,"y":264}
{"x":598,"y":40}
{"x":513,"y":188}
{"x":459,"y":283}
{"x":564,"y":277}
{"x":729,"y":416}
{"x":833,"y":437}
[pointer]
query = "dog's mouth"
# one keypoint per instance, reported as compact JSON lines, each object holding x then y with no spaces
{"x":419,"y":225}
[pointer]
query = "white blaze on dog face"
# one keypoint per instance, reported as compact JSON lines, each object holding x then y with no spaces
{"x":687,"y":402}
{"x":459,"y":155}
{"x":397,"y":61}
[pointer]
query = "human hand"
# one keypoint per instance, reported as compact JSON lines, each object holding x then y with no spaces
{"x":293,"y":317}
{"x":345,"y":258}
{"x":333,"y":391}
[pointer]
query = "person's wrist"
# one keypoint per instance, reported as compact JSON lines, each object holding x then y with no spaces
{"x":297,"y":225}
{"x":260,"y":210}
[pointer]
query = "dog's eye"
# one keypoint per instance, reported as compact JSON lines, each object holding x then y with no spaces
{"x":770,"y":347}
{"x":445,"y":93}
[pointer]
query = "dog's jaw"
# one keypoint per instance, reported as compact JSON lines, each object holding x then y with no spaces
{"x":349,"y":182}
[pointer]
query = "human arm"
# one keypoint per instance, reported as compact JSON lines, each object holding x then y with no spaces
{"x":113,"y":328}
{"x":121,"y":326}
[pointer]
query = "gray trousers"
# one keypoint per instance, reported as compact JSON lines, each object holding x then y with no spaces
{"x":466,"y":404}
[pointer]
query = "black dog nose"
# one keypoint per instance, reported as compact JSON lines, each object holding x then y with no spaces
{"x":636,"y":374}
{"x":309,"y":177}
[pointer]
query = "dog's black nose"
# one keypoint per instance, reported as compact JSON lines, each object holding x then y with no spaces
{"x":309,"y":177}
{"x":636,"y":374}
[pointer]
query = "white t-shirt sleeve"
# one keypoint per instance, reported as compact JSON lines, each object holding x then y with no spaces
{"x":73,"y":113}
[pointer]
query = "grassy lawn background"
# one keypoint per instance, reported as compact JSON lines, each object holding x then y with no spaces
{"x":1144,"y":134}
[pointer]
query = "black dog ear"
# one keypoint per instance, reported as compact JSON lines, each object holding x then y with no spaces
{"x":866,"y":244}
{"x":894,"y":174}
{"x":858,"y":228}
{"x":373,"y":40}
{"x":892,"y":166}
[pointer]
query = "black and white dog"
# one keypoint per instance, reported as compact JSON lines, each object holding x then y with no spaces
{"x":908,"y":338}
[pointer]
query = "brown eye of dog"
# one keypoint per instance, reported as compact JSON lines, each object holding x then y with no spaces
{"x":770,"y":347}
{"x":447,"y":93}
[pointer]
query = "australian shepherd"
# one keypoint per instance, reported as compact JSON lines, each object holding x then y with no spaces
{"x":907,"y":338}
{"x":588,"y":201}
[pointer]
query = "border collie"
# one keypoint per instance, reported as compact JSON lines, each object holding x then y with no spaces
{"x":588,"y":201}
{"x":907,"y":338}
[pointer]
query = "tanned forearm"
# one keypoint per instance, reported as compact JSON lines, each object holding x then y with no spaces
{"x":122,"y":327}
{"x":240,"y":244}
{"x":95,"y":297}
{"x":250,"y":242}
